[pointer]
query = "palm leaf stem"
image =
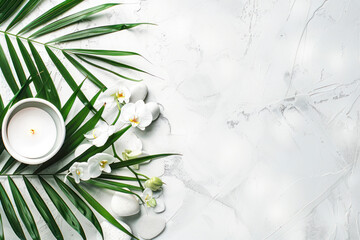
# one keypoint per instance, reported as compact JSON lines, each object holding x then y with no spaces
{"x":29,"y":39}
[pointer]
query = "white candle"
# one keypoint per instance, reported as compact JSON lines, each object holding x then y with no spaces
{"x":32,"y":132}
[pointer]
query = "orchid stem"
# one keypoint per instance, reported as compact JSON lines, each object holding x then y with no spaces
{"x":117,"y":117}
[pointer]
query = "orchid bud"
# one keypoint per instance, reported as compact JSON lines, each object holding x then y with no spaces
{"x":154,"y":183}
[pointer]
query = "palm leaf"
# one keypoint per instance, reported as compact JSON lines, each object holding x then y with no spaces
{"x":51,"y":14}
{"x":43,"y":210}
{"x":44,"y":85}
{"x":96,"y":31}
{"x":79,"y":204}
{"x":10,"y":213}
{"x":99,"y":208}
{"x":74,"y":18}
{"x":23,"y":13}
{"x":63,"y":208}
{"x":24,"y":211}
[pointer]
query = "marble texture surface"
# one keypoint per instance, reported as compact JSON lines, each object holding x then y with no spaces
{"x":262,"y":100}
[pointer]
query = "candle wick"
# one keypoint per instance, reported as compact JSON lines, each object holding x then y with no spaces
{"x":32,"y":131}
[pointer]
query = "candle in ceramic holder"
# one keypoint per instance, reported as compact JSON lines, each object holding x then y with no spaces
{"x":33,"y":131}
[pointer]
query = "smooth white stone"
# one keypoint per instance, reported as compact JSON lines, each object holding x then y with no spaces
{"x":113,"y":233}
{"x":82,"y":148}
{"x":138,"y":92}
{"x":124,"y":205}
{"x":150,"y":226}
{"x":154,"y":109}
{"x":160,"y":206}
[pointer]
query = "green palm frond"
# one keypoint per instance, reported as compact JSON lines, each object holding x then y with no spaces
{"x":27,"y":75}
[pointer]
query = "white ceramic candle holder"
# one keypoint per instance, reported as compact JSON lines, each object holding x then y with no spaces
{"x":52,"y":111}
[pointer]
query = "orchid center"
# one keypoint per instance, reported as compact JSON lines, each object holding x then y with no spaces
{"x":103,"y":163}
{"x":134,"y":120}
{"x":78,"y":172}
{"x":148,"y":197}
{"x":32,"y":131}
{"x":93,"y":133}
{"x":120,"y":95}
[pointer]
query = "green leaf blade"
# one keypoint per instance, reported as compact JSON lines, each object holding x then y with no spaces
{"x":8,"y":10}
{"x":102,"y":52}
{"x":80,"y":205}
{"x":67,"y":76}
{"x":84,"y":71}
{"x":17,"y":65}
{"x":31,"y":5}
{"x":73,"y":18}
{"x":50,"y":89}
{"x":63,"y":208}
{"x":138,"y":160}
{"x":10,"y":213}
{"x":96,"y":31}
{"x":108,"y":70}
{"x":6,"y":70}
{"x":51,"y":14}
{"x":2,"y":237}
{"x":24,"y":211}
{"x":32,"y":68}
{"x":9,"y":163}
{"x":80,"y":117}
{"x":65,"y":110}
{"x":43,"y":210}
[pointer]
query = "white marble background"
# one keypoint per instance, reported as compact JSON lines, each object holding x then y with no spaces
{"x":262,"y":100}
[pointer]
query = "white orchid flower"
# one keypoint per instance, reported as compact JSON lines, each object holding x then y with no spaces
{"x":113,"y":96}
{"x":100,"y":162}
{"x":137,"y":114}
{"x":100,"y":134}
{"x":129,"y":146}
{"x":80,"y":171}
{"x":147,"y":197}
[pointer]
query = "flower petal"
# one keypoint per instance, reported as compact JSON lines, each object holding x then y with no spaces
{"x":100,"y":140}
